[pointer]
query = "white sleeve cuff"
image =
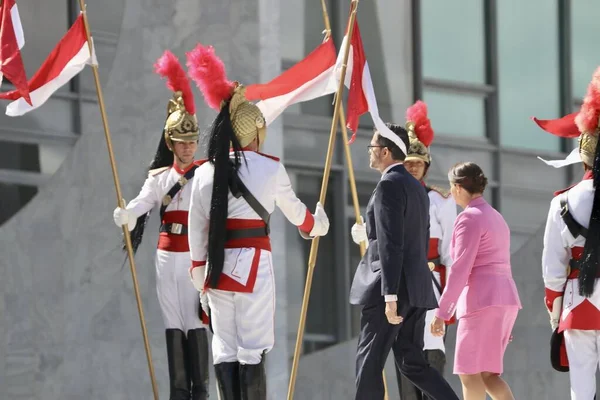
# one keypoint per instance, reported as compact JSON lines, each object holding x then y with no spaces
{"x":390,"y":297}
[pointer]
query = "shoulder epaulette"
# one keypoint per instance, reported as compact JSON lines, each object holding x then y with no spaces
{"x":269,"y":156}
{"x":442,"y":192}
{"x":200,"y":162}
{"x":154,"y":172}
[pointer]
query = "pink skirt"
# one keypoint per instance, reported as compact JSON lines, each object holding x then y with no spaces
{"x":481,"y":340}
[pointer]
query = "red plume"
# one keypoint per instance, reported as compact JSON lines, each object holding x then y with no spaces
{"x":208,"y":71}
{"x":417,"y":114}
{"x":587,"y":119}
{"x":168,"y":66}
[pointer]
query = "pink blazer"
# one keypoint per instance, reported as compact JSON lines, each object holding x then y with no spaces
{"x":480,"y":275}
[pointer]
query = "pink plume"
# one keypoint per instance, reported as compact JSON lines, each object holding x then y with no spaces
{"x":417,"y":114}
{"x":587,"y":119}
{"x":208,"y":71}
{"x":168,"y":66}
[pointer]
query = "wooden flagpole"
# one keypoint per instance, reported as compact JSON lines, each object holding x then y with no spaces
{"x":349,"y":164}
{"x":121,"y":203}
{"x":312,"y":259}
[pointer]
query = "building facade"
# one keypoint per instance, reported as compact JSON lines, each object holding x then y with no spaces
{"x":483,"y":67}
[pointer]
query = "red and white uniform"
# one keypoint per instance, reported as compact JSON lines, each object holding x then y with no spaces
{"x":243,"y":303}
{"x":580,"y":317}
{"x":178,"y":299}
{"x":442,"y":214}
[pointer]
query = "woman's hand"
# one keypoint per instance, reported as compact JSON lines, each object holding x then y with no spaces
{"x":437,"y":327}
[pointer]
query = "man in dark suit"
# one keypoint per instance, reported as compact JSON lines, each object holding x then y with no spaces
{"x":392,"y":281}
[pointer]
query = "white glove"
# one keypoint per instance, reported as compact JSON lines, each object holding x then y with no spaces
{"x":122,"y":216}
{"x":359,"y":232}
{"x":204,"y":301}
{"x":197,"y":276}
{"x":556,"y":311}
{"x":321,"y":226}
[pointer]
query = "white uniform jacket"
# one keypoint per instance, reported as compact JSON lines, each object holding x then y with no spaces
{"x":442,"y":214}
{"x":267,"y":180}
{"x":157,"y":185}
{"x":560,"y":246}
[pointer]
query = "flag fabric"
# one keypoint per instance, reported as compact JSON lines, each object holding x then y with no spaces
{"x":361,"y":96}
{"x":11,"y":43}
{"x":310,"y":78}
{"x":69,"y":57}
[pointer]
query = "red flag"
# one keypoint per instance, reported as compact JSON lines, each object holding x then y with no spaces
{"x":361,"y":94}
{"x":69,"y":57}
{"x":11,"y":40}
{"x":310,"y":78}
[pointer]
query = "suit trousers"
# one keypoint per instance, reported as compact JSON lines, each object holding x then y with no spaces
{"x":378,"y":337}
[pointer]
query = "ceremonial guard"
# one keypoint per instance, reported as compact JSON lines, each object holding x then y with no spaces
{"x":442,"y":214}
{"x":571,"y":250}
{"x":233,"y":197}
{"x":168,"y":187}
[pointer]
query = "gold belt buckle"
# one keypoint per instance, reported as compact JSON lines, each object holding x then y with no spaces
{"x":176,"y":228}
{"x":431,"y":266}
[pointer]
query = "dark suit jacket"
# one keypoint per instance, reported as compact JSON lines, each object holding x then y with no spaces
{"x":397,"y":223}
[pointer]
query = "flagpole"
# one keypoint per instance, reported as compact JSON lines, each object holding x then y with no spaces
{"x":312,"y":259}
{"x":351,"y":177}
{"x":120,"y":202}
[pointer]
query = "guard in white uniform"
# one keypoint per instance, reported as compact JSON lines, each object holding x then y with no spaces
{"x":570,"y":257}
{"x":233,"y":196}
{"x":442,"y":213}
{"x":168,"y":188}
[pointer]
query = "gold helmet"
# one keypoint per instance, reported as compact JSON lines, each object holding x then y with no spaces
{"x":247,"y":120}
{"x":420,"y":133}
{"x":181,"y":124}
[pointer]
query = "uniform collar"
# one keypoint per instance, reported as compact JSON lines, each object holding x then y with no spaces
{"x":182,"y":171}
{"x":588,"y":175}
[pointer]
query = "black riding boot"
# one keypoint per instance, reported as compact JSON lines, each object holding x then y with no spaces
{"x":228,"y":379}
{"x":197,"y":346}
{"x":178,"y":377}
{"x":253,"y":381}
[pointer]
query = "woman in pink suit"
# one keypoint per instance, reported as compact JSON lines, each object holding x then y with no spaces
{"x":480,"y":288}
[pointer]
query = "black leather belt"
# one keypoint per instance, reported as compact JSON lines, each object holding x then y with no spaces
{"x":174,"y":228}
{"x":247,"y":233}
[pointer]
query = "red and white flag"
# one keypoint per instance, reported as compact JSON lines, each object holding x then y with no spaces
{"x":361,"y":96}
{"x":69,"y":57}
{"x":11,"y":43}
{"x":308,"y":79}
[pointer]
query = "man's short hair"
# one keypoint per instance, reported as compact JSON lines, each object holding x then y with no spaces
{"x":397,"y":154}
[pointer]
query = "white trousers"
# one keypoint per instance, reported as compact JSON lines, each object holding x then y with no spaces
{"x":431,"y":342}
{"x":244,"y":323}
{"x":178,"y":298}
{"x":583,"y":349}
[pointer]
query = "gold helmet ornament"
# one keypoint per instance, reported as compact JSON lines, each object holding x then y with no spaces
{"x":181,"y":124}
{"x":420,"y":133}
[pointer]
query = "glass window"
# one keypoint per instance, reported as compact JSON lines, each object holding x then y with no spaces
{"x":528,"y":71}
{"x":13,"y":198}
{"x":386,"y":33}
{"x":453,"y":38}
{"x":454,"y":114}
{"x":584,"y":40}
